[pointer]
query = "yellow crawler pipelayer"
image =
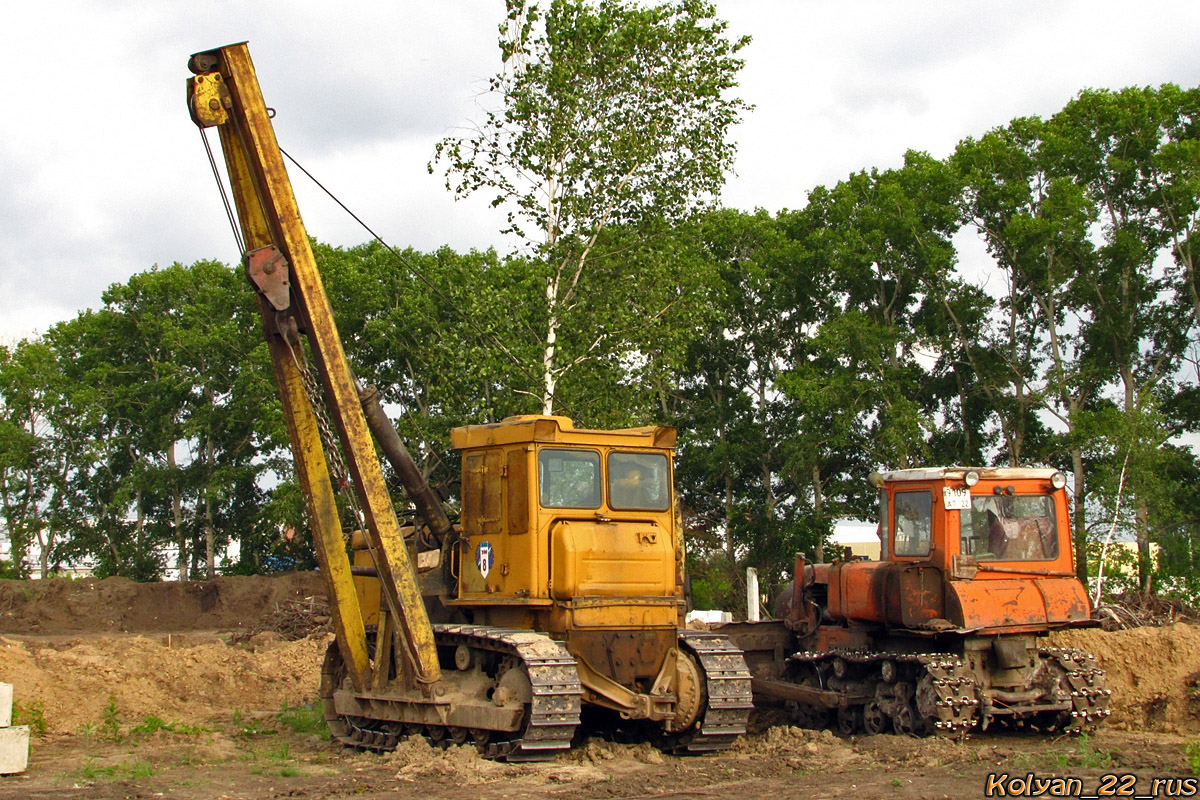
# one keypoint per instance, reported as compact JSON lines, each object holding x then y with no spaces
{"x":564,"y":582}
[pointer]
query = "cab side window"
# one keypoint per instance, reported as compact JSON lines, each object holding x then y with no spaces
{"x":914,"y":523}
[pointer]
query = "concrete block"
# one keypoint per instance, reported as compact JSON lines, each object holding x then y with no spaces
{"x":6,"y":697}
{"x":14,"y":749}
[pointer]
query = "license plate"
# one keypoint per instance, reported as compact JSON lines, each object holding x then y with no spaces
{"x":959,"y":499}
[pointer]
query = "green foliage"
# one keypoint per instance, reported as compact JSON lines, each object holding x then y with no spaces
{"x":137,"y":769}
{"x":250,"y":728}
{"x":111,"y":722}
{"x":139,"y":425}
{"x":1085,"y":755}
{"x":152,"y":724}
{"x":1120,"y":566}
{"x":608,"y":113}
{"x":713,"y":583}
{"x":1192,"y":753}
{"x":33,"y":715}
{"x":307,"y":719}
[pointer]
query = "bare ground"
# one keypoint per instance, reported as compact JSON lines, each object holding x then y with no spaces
{"x":100,"y":691}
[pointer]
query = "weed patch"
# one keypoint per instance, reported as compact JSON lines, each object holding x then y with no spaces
{"x":250,"y":728}
{"x":32,"y":715}
{"x":153,"y":724}
{"x":304,"y":720}
{"x":1084,"y":755}
{"x":129,"y":770}
{"x":112,"y":719}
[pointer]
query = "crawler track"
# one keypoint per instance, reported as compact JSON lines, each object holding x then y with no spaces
{"x":911,"y":693}
{"x":727,"y":694}
{"x":549,"y":720}
{"x":920,"y":694}
{"x":554,"y":713}
{"x":1080,"y":677}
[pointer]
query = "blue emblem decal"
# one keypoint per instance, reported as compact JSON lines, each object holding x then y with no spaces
{"x":485,"y":556}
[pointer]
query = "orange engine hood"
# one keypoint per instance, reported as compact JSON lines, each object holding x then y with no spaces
{"x":1016,"y":603}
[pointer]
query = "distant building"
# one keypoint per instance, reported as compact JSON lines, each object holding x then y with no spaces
{"x":861,"y":537}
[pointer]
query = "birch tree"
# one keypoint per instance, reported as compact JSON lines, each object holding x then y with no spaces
{"x":605,"y":113}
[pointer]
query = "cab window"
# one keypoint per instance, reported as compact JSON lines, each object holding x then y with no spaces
{"x":1011,"y":528}
{"x":638,"y":482}
{"x":569,"y":478}
{"x":914,"y":523}
{"x":885,"y":526}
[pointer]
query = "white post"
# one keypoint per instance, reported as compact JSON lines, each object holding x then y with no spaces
{"x":752,"y":598}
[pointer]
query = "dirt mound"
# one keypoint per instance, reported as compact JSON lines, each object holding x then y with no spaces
{"x":807,"y":748}
{"x":414,"y":758}
{"x":598,"y":752}
{"x":194,"y":679}
{"x":1148,"y":671}
{"x":595,"y":761}
{"x":61,"y":606}
{"x":65,"y":648}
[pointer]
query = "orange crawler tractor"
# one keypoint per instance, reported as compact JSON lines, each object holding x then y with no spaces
{"x":948,"y":629}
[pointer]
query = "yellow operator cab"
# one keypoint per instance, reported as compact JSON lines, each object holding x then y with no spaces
{"x":574,"y":526}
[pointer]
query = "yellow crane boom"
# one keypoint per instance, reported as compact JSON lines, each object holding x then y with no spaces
{"x":224,"y":93}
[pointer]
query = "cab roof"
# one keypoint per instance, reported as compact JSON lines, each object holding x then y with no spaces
{"x":535,"y":428}
{"x":957,"y":473}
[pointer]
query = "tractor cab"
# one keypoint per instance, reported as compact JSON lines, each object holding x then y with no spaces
{"x":1007,"y":520}
{"x":964,"y":549}
{"x":553,"y":513}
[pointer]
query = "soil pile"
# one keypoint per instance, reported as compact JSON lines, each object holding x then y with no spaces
{"x":801,"y":748}
{"x":61,"y":606}
{"x":64,"y":644}
{"x":1148,"y":671}
{"x":189,"y":679}
{"x":415,"y":758}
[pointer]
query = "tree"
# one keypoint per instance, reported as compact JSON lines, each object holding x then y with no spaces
{"x":162,"y":406}
{"x":738,"y":502}
{"x":1035,"y":220}
{"x":37,"y":455}
{"x":609,"y":114}
{"x":1034,"y":225}
{"x":1110,"y":143}
{"x":885,"y":237}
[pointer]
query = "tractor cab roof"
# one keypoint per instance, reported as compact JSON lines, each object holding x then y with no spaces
{"x":959,"y":473}
{"x":537,"y":428}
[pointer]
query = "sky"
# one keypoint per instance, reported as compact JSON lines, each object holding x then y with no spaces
{"x":104,"y":174}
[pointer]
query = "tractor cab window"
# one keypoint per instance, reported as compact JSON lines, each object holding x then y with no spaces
{"x":914,"y":523}
{"x":885,"y":526}
{"x":1011,"y":528}
{"x":638,"y":482}
{"x":569,"y":478}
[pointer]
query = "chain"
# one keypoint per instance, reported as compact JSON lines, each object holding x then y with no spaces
{"x":333,"y":451}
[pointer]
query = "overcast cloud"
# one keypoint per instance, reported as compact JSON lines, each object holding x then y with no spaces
{"x":104,"y":175}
